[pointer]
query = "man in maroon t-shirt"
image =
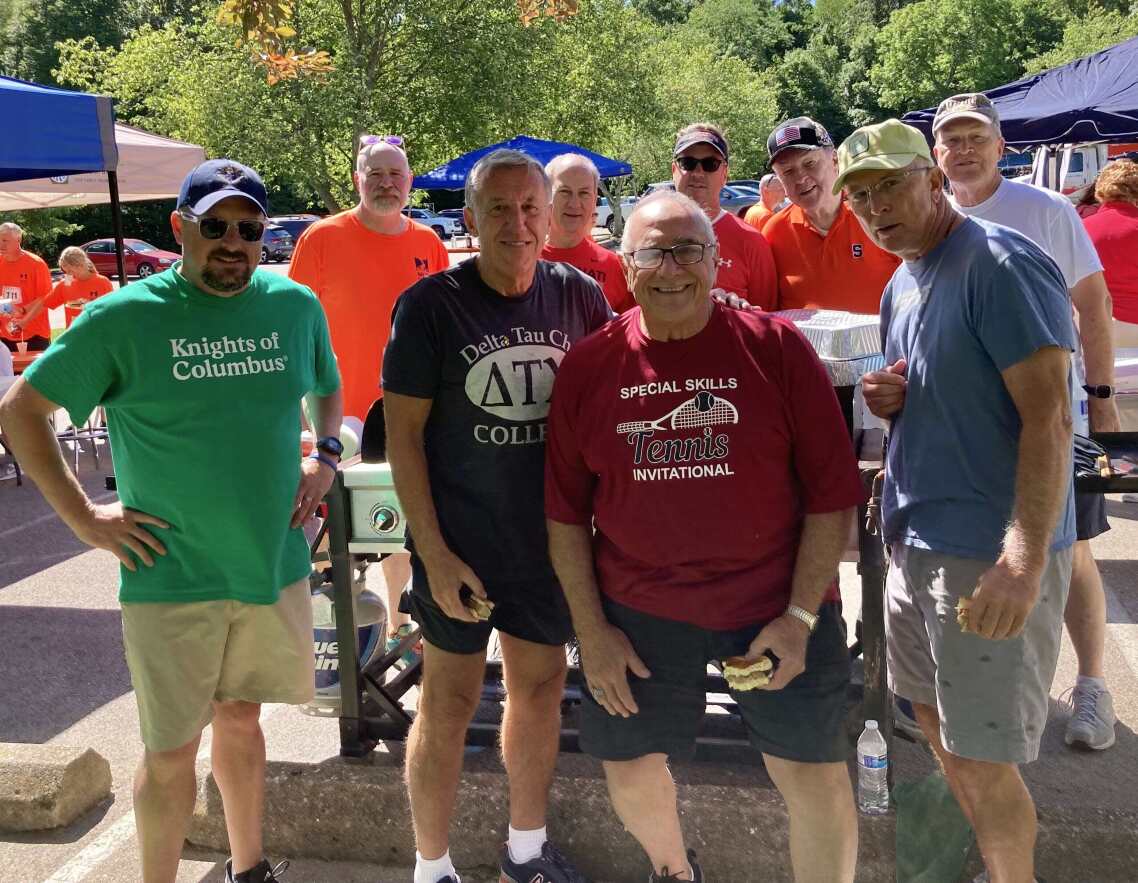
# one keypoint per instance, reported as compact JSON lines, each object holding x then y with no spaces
{"x":575,"y":181}
{"x":708,"y":449}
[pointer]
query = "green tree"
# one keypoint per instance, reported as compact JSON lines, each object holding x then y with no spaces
{"x":665,"y":12}
{"x":1086,"y":36}
{"x":751,"y":30}
{"x":29,"y":43}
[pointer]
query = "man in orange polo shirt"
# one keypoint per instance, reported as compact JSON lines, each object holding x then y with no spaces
{"x":823,"y":257}
{"x":24,"y":281}
{"x":358,"y":262}
{"x":772,"y":200}
{"x":699,"y":170}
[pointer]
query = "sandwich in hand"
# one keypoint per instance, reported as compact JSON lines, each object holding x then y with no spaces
{"x":962,"y":606}
{"x":480,"y":607}
{"x":747,"y":674}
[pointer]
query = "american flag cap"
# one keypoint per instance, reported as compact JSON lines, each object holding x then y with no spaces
{"x":800,"y":132}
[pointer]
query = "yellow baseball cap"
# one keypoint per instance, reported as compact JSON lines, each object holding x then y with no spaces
{"x":880,"y":147}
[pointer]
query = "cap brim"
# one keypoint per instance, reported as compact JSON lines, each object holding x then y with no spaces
{"x":208,"y":201}
{"x":683,"y":145}
{"x":888,"y":162}
{"x":787,"y":147}
{"x":963,"y":114}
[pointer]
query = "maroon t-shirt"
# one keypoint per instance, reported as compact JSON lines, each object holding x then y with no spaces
{"x":697,"y":460}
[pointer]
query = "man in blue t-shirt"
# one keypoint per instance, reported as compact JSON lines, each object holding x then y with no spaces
{"x":467,"y":376}
{"x":978,"y":505}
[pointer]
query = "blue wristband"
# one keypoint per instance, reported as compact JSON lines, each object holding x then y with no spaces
{"x":327,"y":461}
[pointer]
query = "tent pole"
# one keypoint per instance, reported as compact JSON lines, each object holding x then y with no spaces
{"x":116,"y":224}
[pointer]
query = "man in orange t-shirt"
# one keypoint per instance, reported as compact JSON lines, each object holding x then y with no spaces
{"x":823,"y":257}
{"x":575,"y":181}
{"x":24,"y":281}
{"x":82,"y":285}
{"x":772,"y":200}
{"x":699,"y":170}
{"x":358,"y":263}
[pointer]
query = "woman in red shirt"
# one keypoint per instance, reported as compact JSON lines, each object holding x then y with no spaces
{"x":1114,"y":231}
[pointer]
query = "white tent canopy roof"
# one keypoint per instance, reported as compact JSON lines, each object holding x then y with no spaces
{"x":149,"y":167}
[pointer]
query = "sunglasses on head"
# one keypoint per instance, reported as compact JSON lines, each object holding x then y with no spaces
{"x":707,"y":163}
{"x":393,"y":140}
{"x":214,"y":228}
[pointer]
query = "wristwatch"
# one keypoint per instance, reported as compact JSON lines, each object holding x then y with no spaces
{"x":330,"y":445}
{"x":802,"y":615}
{"x":1100,"y":391}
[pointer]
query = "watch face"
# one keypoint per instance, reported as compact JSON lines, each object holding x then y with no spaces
{"x":330,"y":445}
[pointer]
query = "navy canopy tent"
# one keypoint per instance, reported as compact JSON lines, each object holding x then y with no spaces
{"x":1091,"y":99}
{"x":53,"y":132}
{"x":452,"y":175}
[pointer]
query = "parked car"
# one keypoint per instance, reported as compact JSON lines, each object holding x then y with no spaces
{"x":730,"y":199}
{"x":277,"y":244}
{"x":604,"y":216}
{"x":141,"y":258}
{"x":443,"y":226}
{"x":456,"y":214}
{"x":747,"y":182}
{"x":294,"y":224}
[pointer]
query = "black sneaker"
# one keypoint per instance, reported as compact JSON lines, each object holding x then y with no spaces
{"x":696,"y":872}
{"x":262,"y":873}
{"x":549,"y":867}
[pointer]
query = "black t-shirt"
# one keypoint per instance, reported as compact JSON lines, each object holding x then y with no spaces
{"x":488,"y":363}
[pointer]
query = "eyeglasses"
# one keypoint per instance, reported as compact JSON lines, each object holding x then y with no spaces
{"x":393,"y":140}
{"x":886,"y":188}
{"x":707,"y":163}
{"x":683,"y":255}
{"x":215,"y":228}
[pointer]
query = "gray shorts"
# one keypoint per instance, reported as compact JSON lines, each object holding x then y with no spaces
{"x":991,"y":695}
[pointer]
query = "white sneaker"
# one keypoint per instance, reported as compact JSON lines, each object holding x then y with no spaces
{"x":7,"y":473}
{"x":1130,"y":498}
{"x":1092,"y":718}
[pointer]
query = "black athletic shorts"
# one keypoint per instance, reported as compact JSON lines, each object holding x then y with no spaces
{"x":1090,"y":515}
{"x":534,"y":612}
{"x":804,"y":721}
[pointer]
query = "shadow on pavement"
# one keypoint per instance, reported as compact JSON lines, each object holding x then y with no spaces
{"x":64,"y":664}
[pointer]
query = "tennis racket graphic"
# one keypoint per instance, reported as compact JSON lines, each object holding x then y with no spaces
{"x":703,"y":409}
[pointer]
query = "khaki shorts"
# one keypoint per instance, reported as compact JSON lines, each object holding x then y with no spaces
{"x":184,"y":657}
{"x":991,"y":696}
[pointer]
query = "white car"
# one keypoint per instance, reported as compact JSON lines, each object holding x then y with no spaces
{"x":604,"y":213}
{"x":443,"y":226}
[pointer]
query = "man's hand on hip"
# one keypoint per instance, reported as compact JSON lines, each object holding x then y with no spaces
{"x":120,"y":531}
{"x":446,"y":575}
{"x":315,"y":479}
{"x":606,"y":659}
{"x":1003,"y":600}
{"x":786,"y":638}
{"x":884,"y":391}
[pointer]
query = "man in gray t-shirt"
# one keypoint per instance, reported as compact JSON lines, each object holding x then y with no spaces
{"x":978,"y":489}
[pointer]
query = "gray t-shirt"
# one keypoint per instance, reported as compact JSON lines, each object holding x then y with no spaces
{"x":983,"y":300}
{"x":488,"y":363}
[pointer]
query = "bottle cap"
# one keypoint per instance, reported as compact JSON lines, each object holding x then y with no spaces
{"x":871,"y":725}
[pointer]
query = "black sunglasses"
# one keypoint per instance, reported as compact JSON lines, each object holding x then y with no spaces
{"x":215,"y":228}
{"x":707,"y":163}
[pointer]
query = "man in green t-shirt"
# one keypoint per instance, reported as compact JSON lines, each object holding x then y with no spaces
{"x":201,"y":371}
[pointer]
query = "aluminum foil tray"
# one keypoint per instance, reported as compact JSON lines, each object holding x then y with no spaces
{"x":847,"y":372}
{"x":835,"y":334}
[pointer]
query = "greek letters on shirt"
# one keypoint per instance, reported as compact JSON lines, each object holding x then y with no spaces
{"x":510,"y":377}
{"x":692,"y":439}
{"x":210,"y":359}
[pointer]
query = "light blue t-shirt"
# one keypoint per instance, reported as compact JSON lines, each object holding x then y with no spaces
{"x":983,"y":300}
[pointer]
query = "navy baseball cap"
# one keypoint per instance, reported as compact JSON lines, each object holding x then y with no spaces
{"x":800,"y":132}
{"x":218,"y":179}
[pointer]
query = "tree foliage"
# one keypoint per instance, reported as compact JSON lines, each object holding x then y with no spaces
{"x":1087,"y":35}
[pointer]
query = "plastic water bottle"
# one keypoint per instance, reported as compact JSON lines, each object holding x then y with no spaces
{"x":872,"y":771}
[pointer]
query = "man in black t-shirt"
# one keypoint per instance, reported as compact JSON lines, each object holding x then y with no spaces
{"x":467,"y":376}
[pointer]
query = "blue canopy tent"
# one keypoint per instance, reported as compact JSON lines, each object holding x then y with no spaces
{"x":452,"y":175}
{"x":1092,"y":99}
{"x":53,"y":132}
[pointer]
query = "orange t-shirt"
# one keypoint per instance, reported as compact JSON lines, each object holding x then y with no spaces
{"x":842,"y":270}
{"x":23,"y":282}
{"x":746,"y":267}
{"x":600,"y":264}
{"x":74,"y":294}
{"x":358,"y":274}
{"x":758,"y":215}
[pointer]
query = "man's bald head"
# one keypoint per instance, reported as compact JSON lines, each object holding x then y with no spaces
{"x":383,"y":178}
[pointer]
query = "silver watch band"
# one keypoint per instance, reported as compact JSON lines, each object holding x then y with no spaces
{"x":802,"y":615}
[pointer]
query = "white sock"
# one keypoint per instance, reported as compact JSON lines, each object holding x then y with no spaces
{"x":525,"y":846}
{"x":431,"y":870}
{"x":1084,"y":681}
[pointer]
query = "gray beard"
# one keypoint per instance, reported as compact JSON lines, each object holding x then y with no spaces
{"x":232,"y":281}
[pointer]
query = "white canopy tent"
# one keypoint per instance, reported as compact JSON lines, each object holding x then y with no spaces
{"x":149,"y":167}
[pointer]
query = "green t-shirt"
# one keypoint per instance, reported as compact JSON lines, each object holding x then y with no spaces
{"x":202,"y":396}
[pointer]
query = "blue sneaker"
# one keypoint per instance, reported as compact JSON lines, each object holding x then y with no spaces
{"x":549,"y":867}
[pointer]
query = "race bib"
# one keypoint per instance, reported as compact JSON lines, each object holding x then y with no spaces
{"x":11,"y":293}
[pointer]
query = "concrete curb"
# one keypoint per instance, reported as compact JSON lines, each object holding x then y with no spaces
{"x":45,"y":786}
{"x":738,"y":825}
